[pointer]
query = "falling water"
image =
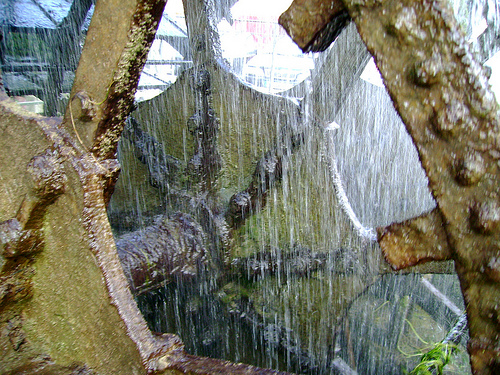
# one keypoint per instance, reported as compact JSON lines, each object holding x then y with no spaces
{"x":40,"y":50}
{"x":296,"y":281}
{"x":246,"y":209}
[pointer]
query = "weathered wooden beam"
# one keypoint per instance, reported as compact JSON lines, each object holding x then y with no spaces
{"x":185,"y":363}
{"x":75,"y":297}
{"x":100,"y":101}
{"x":76,"y":232}
{"x":103,"y":94}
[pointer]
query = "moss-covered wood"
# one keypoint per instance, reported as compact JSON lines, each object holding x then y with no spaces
{"x":65,"y":303}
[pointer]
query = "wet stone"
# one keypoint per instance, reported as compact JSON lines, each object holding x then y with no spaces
{"x":240,"y":206}
{"x":195,"y":122}
{"x":202,"y":81}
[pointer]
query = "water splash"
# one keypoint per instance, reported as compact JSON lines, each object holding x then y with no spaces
{"x":364,"y":232}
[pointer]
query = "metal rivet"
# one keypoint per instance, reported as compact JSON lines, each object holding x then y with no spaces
{"x":485,"y":216}
{"x":469,"y":169}
{"x":427,"y":73}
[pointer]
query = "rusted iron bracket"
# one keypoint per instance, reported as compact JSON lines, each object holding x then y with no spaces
{"x":415,"y":241}
{"x":442,"y":94}
{"x":314,"y":24}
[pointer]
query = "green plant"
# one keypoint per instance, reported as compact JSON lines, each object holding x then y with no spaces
{"x":435,"y":359}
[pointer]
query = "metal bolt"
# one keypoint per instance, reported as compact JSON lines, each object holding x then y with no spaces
{"x":485,"y":216}
{"x":469,"y":169}
{"x":427,"y":73}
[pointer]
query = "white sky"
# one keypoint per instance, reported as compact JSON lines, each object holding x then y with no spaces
{"x":262,"y":8}
{"x":494,"y":64}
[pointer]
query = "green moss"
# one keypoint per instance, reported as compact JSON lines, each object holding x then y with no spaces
{"x":27,"y":45}
{"x":70,"y":317}
{"x":231,"y":292}
{"x":298,"y":211}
